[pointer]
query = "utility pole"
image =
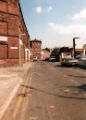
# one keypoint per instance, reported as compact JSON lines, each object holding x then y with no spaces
{"x":74,"y":45}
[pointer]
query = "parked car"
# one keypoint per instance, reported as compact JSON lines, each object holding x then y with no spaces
{"x":82,"y":61}
{"x":82,"y":58}
{"x":52,"y":59}
{"x":78,"y":57}
{"x":35,"y":58}
{"x":69,"y":62}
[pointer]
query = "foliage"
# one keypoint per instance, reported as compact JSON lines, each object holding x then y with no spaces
{"x":55,"y":51}
{"x":65,"y":49}
{"x":77,"y":53}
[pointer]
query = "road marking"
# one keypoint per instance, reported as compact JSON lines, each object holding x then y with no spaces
{"x":26,"y":102}
{"x":17,"y":107}
{"x":33,"y":118}
{"x":66,"y":90}
{"x":24,"y":106}
{"x":52,"y":106}
{"x":65,"y":76}
{"x":8,"y":100}
{"x":19,"y":101}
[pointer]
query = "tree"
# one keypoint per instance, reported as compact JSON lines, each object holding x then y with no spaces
{"x":65,"y":49}
{"x":56,"y":52}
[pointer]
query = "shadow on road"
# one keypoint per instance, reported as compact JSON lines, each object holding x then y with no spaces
{"x":72,"y":97}
{"x":65,"y":66}
{"x":69,"y":92}
{"x":83,"y":67}
{"x":82,"y":87}
{"x":77,"y":76}
{"x":74,"y":92}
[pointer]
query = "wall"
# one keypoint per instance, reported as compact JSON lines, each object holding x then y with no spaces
{"x":12,"y":26}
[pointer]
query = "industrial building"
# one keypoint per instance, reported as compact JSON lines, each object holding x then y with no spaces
{"x":14,"y":36}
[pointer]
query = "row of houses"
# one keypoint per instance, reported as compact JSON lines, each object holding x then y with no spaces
{"x":16,"y":46}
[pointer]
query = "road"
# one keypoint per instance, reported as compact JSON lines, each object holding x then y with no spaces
{"x":50,"y":92}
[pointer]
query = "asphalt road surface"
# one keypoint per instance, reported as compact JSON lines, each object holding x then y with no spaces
{"x":50,"y":92}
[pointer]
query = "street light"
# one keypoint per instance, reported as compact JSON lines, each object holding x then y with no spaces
{"x":74,"y":45}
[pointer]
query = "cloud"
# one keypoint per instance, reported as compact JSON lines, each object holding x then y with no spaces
{"x":39,"y":9}
{"x":68,"y":29}
{"x":80,"y":16}
{"x":50,"y":8}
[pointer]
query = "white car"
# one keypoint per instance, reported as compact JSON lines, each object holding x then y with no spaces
{"x":35,"y":58}
{"x":69,"y":62}
{"x":82,"y":61}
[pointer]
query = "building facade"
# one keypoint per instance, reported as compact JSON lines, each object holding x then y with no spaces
{"x":84,"y":49}
{"x":14,"y":36}
{"x":36,"y":48}
{"x":46,"y":53}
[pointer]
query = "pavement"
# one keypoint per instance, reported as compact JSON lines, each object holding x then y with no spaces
{"x":10,"y":80}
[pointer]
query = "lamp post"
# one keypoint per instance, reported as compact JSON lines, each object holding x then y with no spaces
{"x":74,"y":46}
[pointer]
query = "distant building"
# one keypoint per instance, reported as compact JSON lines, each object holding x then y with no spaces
{"x":36,"y":47}
{"x":84,"y":49}
{"x":14,"y":36}
{"x":46,"y":53}
{"x":79,"y":51}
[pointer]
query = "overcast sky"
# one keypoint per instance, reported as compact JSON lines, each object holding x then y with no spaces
{"x":56,"y":22}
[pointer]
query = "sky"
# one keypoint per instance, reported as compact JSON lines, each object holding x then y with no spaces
{"x":56,"y":22}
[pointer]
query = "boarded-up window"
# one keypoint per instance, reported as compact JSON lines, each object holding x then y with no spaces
{"x":3,"y":51}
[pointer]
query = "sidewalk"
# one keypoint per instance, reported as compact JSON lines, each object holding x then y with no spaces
{"x":10,"y":80}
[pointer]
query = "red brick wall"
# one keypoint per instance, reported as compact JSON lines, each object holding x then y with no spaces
{"x":3,"y":28}
{"x":12,"y":25}
{"x":3,"y":51}
{"x":13,"y":48}
{"x":13,"y":7}
{"x":3,"y":6}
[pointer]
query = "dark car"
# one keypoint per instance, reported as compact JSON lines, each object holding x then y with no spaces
{"x":52,"y":59}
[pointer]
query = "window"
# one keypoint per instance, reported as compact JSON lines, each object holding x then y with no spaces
{"x":3,"y":43}
{"x":3,"y":17}
{"x":3,"y":0}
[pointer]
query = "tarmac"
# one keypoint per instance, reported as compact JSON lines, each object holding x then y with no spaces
{"x":10,"y":80}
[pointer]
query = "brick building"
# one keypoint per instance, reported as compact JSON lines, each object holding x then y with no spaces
{"x":36,"y":48}
{"x":14,"y":36}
